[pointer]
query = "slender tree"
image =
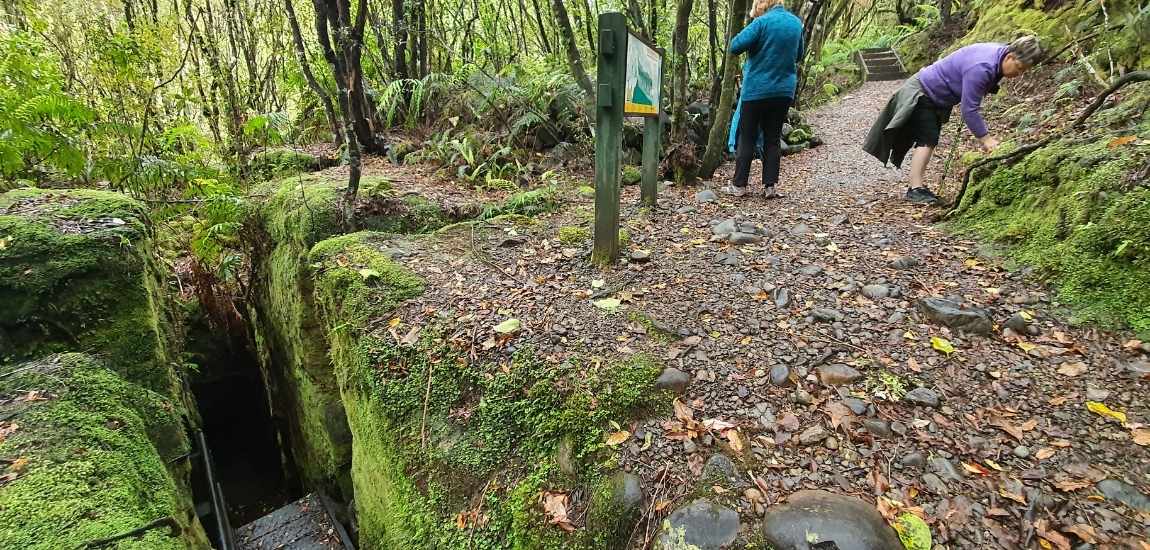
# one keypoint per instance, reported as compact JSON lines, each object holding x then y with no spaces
{"x":305,"y":68}
{"x":721,"y":125}
{"x":567,"y":35}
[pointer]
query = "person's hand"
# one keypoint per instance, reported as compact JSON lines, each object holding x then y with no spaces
{"x":990,"y":143}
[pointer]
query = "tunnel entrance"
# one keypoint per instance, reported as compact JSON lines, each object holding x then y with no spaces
{"x":255,"y":474}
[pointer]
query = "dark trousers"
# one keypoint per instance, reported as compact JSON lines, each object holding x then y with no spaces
{"x":766,"y":116}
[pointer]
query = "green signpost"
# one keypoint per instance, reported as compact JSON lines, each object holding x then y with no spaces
{"x":630,"y":83}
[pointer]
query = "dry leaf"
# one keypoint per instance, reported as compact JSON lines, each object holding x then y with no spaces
{"x":1016,"y":497}
{"x":1042,"y":528}
{"x":1007,"y":427}
{"x":1071,"y":485}
{"x":1072,"y":369}
{"x":839,"y":414}
{"x":1120,"y":141}
{"x":913,"y":365}
{"x":1044,"y":453}
{"x":18,"y":465}
{"x":682,"y":411}
{"x":1102,"y":409}
{"x":617,"y":438}
{"x":659,"y":506}
{"x":941,"y":344}
{"x":1060,"y":443}
{"x":1141,"y":437}
{"x":717,"y":425}
{"x":975,"y":468}
{"x":1082,"y":531}
{"x":555,"y":506}
{"x":736,"y":441}
{"x":993,"y":464}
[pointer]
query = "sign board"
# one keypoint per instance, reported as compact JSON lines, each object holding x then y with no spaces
{"x":644,"y":76}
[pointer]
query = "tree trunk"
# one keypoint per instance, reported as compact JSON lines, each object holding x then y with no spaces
{"x":567,"y":35}
{"x":399,"y":21}
{"x":680,"y":81}
{"x":542,"y":28}
{"x":713,"y":43}
{"x":305,"y":67}
{"x":944,"y":11}
{"x":721,"y":117}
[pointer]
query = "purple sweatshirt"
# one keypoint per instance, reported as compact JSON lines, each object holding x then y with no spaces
{"x":965,"y":76}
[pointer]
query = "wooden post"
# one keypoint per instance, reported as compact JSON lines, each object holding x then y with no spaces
{"x":652,"y":143}
{"x":611,"y":81}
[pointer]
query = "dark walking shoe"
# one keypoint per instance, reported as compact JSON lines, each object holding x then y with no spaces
{"x":770,"y":193}
{"x":734,"y":190}
{"x":922,"y":195}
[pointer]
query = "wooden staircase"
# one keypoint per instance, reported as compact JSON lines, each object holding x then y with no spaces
{"x":306,"y":524}
{"x":880,"y":64}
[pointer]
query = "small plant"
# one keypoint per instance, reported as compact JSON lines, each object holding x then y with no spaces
{"x":887,"y":385}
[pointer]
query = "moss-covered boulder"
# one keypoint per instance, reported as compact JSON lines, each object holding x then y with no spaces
{"x":88,"y":455}
{"x":455,"y":452}
{"x":282,"y":162}
{"x":77,"y":273}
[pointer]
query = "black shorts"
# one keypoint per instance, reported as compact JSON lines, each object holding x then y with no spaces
{"x":925,"y":123}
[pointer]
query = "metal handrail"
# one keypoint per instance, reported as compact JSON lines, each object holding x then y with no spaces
{"x":219,"y":505}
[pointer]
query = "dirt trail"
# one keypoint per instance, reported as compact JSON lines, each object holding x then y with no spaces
{"x":806,"y":360}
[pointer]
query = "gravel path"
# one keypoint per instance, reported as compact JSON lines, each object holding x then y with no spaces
{"x":807,"y":360}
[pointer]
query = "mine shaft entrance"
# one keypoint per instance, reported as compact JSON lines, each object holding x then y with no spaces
{"x":255,"y":474}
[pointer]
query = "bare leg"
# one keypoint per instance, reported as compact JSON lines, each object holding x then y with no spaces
{"x":918,"y":164}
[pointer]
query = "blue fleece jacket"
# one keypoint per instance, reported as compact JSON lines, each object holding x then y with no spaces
{"x":774,"y":45}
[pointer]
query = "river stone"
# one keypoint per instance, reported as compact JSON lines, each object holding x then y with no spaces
{"x":827,"y":315}
{"x":876,"y":292}
{"x":781,"y":296}
{"x":878,"y":427}
{"x":640,"y":256}
{"x":904,"y":262}
{"x":739,"y":237}
{"x":719,"y":466}
{"x":725,"y":227}
{"x":706,"y":195}
{"x":686,"y":209}
{"x":922,"y":396}
{"x":799,"y":229}
{"x":856,"y":405}
{"x":837,"y":374}
{"x":827,"y":519}
{"x":945,"y":469}
{"x":813,"y":435}
{"x":811,"y":269}
{"x":1018,"y":323}
{"x":673,"y":379}
{"x":952,"y":314}
{"x":627,"y":490}
{"x":1139,"y":369}
{"x":781,"y":375}
{"x":1116,"y":489}
{"x":702,"y":523}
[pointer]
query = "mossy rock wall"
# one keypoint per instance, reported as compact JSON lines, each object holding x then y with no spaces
{"x":99,"y":457}
{"x":1079,"y":211}
{"x":425,"y":476}
{"x":296,"y":213}
{"x":77,"y":273}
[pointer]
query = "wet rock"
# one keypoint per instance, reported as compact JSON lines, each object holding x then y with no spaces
{"x":1116,"y":489}
{"x":627,"y":490}
{"x":856,"y":405}
{"x":640,"y":256}
{"x":743,"y":238}
{"x":904,"y":262}
{"x":799,"y":230}
{"x":945,"y":469}
{"x":781,"y":296}
{"x":673,"y":379}
{"x":876,"y":292}
{"x":878,"y":427}
{"x":781,"y":375}
{"x":952,"y":314}
{"x":913,"y":460}
{"x":925,"y":397}
{"x":837,"y":374}
{"x":706,"y":195}
{"x":935,"y":484}
{"x":719,"y":466}
{"x":565,"y":456}
{"x":813,"y":434}
{"x":1139,"y":369}
{"x":827,"y":519}
{"x":686,"y":210}
{"x":725,"y":227}
{"x":810,"y":269}
{"x":827,"y":315}
{"x":1022,"y":451}
{"x":802,"y":397}
{"x":702,"y":523}
{"x":1018,"y":323}
{"x":727,"y":258}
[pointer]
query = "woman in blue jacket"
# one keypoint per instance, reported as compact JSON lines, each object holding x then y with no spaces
{"x":773,"y":43}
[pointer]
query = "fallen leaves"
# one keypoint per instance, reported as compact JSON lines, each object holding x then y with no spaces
{"x":7,"y":429}
{"x":610,"y":305}
{"x":1017,"y":432}
{"x":1072,"y":369}
{"x":1101,"y":409}
{"x":1044,"y":453}
{"x":509,"y":326}
{"x":1120,"y":141}
{"x":1053,"y":538}
{"x":941,"y":344}
{"x":1141,"y":437}
{"x":556,"y":506}
{"x":617,"y":438}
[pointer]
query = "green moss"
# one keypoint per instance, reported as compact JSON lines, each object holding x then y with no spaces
{"x":631,"y":175}
{"x":436,"y":434}
{"x":77,"y":272}
{"x":573,"y":235}
{"x":654,"y":331}
{"x":278,"y":163}
{"x":96,"y":451}
{"x":1071,"y":210}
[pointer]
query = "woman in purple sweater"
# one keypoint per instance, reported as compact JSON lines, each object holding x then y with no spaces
{"x":914,"y":116}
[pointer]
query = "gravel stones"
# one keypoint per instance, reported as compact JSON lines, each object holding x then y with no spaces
{"x":952,"y":314}
{"x":739,"y":237}
{"x":945,"y":469}
{"x":904,"y":262}
{"x":827,"y":315}
{"x":876,"y":292}
{"x":724,"y":228}
{"x":878,"y":428}
{"x":706,"y":195}
{"x":781,"y":296}
{"x":831,"y":520}
{"x":837,"y":374}
{"x":799,"y":230}
{"x":702,"y":523}
{"x":781,"y":375}
{"x":813,"y":434}
{"x":673,"y":379}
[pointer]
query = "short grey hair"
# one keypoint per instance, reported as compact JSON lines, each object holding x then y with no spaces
{"x":1027,"y":49}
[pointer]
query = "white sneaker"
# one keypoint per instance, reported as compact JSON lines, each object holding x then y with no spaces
{"x":734,"y":190}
